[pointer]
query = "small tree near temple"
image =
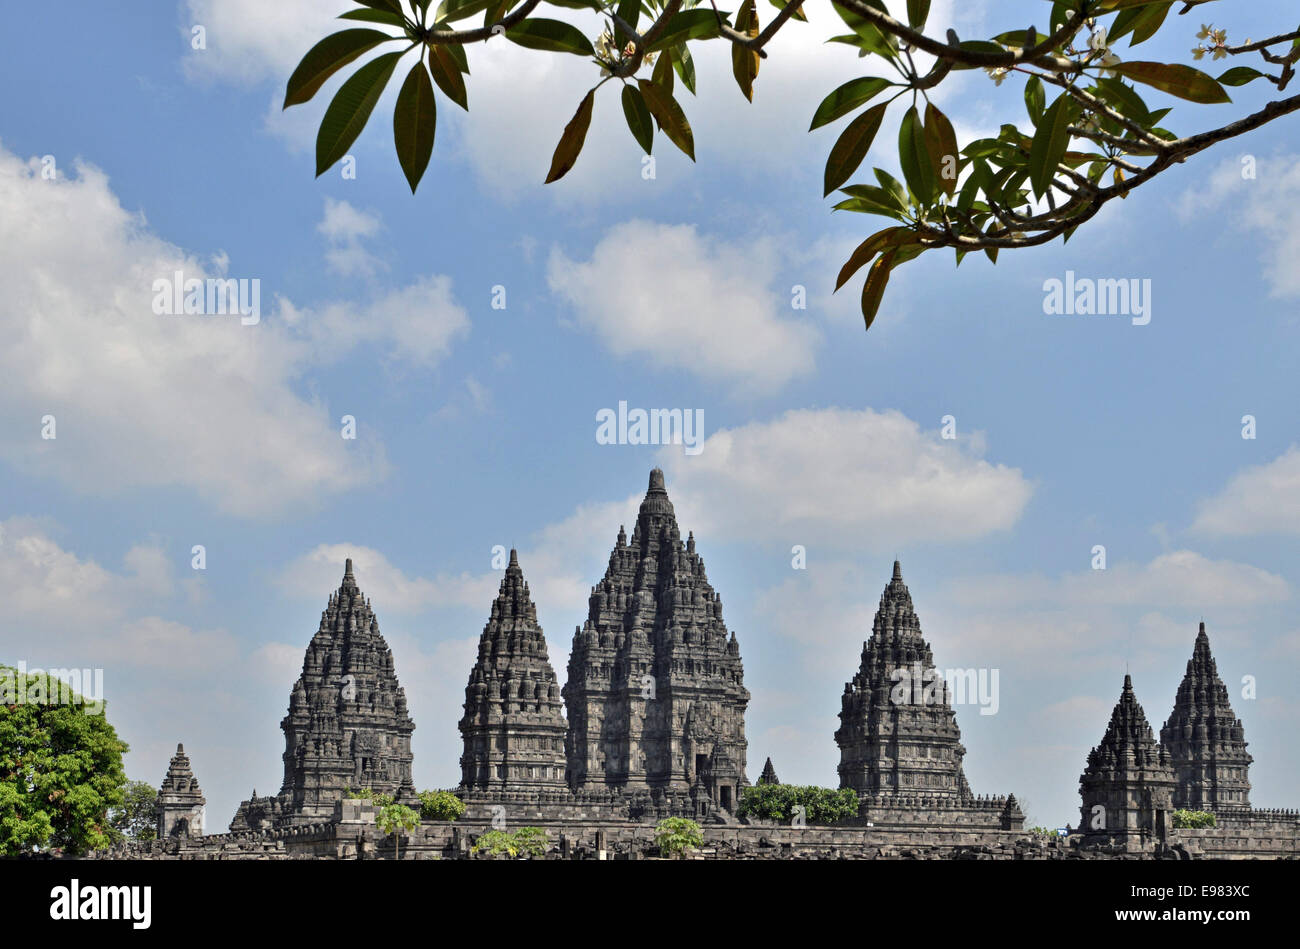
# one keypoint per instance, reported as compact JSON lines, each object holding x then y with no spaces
{"x":1192,"y":820}
{"x":675,"y":835}
{"x":136,"y":817}
{"x":440,"y":805}
{"x":392,"y":818}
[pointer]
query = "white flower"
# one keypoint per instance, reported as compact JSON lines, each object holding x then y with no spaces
{"x":997,"y":73}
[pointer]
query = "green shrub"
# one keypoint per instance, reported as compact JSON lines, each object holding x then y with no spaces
{"x":524,"y":842}
{"x":497,"y":842}
{"x":440,"y":805}
{"x":777,"y":802}
{"x":1192,"y":820}
{"x":674,"y":835}
{"x":532,"y":841}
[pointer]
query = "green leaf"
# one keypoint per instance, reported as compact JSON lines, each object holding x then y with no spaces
{"x":915,"y":157}
{"x":847,"y":98}
{"x":1035,"y":99}
{"x":1239,"y":76}
{"x":917,"y":12}
{"x":1175,"y":79}
{"x":326,"y":58}
{"x":869,"y":35}
{"x":1142,"y":20}
{"x":553,"y":36}
{"x":629,"y":11}
{"x":350,"y":110}
{"x":638,"y":118}
{"x":414,"y":119}
{"x":1125,"y":100}
{"x":375,"y":16}
{"x":941,"y":144}
{"x":684,"y":65}
{"x":851,"y":147}
{"x":575,"y":133}
{"x":893,"y":186}
{"x":865,"y":251}
{"x":874,"y":289}
{"x":669,"y":115}
{"x":744,"y":62}
{"x":1049,"y":144}
{"x":447,"y":75}
{"x":885,"y":198}
{"x":393,"y":6}
{"x":451,"y":10}
{"x":663,"y":73}
{"x":697,"y":24}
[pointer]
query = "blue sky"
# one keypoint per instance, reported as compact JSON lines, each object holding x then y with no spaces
{"x":476,"y":425}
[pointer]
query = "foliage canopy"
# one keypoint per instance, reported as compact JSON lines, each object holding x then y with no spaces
{"x":1089,"y":135}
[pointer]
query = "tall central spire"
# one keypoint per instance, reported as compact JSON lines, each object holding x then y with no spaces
{"x":655,"y":692}
{"x":1205,"y":739}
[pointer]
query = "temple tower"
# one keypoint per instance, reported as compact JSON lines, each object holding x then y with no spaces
{"x":180,"y":800}
{"x":513,"y":725}
{"x":348,"y":725}
{"x":1205,"y":740}
{"x":769,"y":774}
{"x":655,"y":692}
{"x":1127,"y":787}
{"x":898,"y":734}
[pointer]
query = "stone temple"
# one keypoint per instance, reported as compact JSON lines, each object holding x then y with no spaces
{"x":513,"y":727}
{"x":900,"y":747}
{"x":1133,"y":783}
{"x":347,"y":726}
{"x":651,"y":724}
{"x":655,"y":695}
{"x":1206,"y":743}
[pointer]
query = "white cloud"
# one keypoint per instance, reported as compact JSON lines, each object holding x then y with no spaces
{"x":146,"y":400}
{"x":249,"y":41}
{"x":1264,"y":499}
{"x":853,"y":479}
{"x":689,"y":302}
{"x":66,"y":609}
{"x":343,"y":227}
{"x":1267,"y":204}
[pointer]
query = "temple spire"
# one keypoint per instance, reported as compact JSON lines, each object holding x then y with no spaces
{"x":1205,"y":739}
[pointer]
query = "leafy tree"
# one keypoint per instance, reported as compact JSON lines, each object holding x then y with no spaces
{"x":1192,"y":820}
{"x":441,"y":805}
{"x":777,"y":802}
{"x":1089,"y":135}
{"x":135,"y":818}
{"x":526,"y":842}
{"x":497,"y":842}
{"x":675,"y":835}
{"x":532,"y":841}
{"x":60,"y":769}
{"x":392,"y":818}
